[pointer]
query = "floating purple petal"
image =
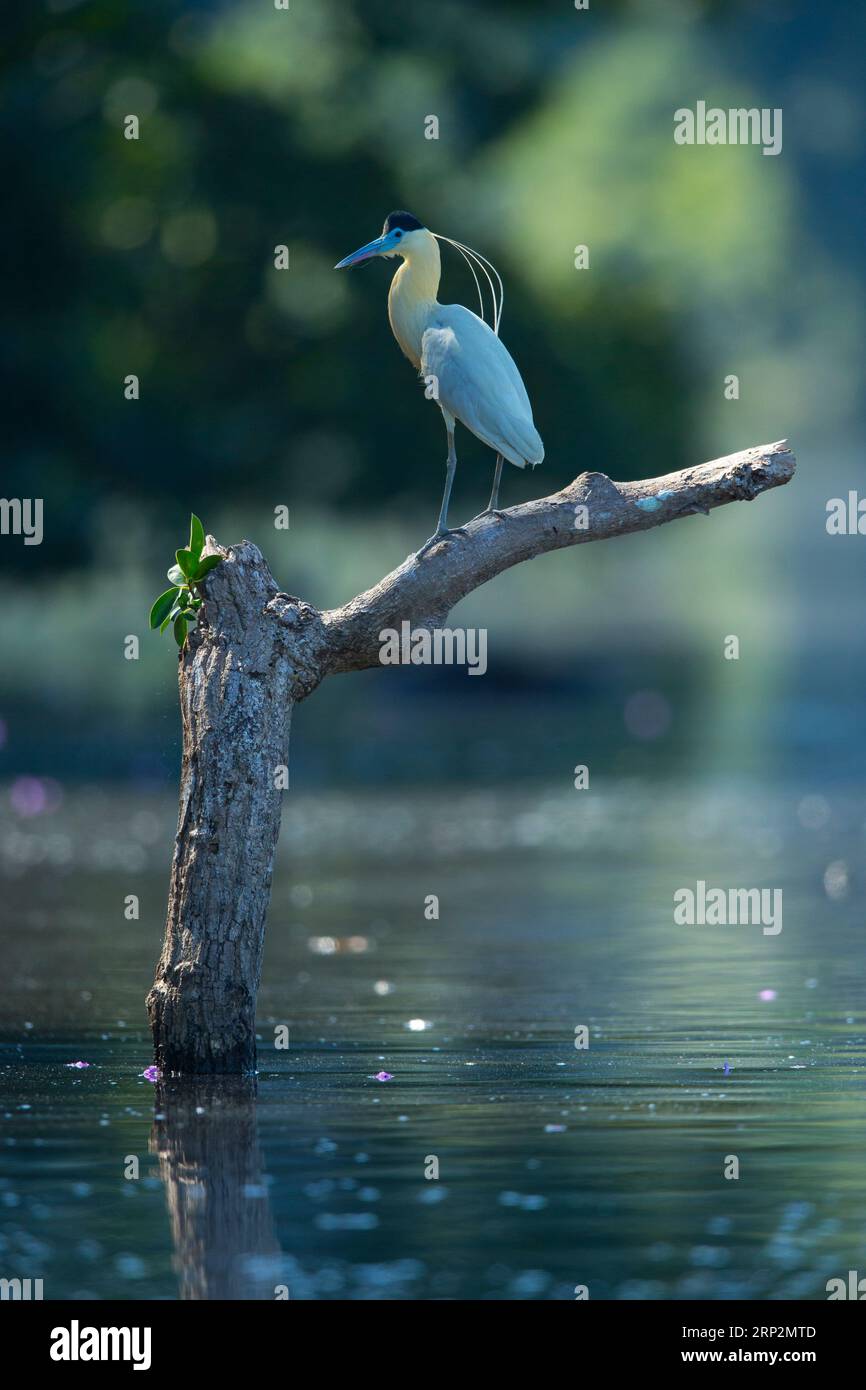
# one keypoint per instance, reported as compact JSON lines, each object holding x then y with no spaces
{"x":383,"y":1076}
{"x":151,"y":1073}
{"x":79,"y":1065}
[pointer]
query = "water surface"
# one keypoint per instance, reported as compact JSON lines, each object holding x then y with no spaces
{"x":557,"y":1167}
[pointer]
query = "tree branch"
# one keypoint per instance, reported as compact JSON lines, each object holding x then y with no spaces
{"x":424,"y":589}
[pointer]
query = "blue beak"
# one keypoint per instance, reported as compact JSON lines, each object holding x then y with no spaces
{"x":366,"y":253}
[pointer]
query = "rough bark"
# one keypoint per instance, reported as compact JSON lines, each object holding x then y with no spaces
{"x":257,"y":651}
{"x":239,"y":673}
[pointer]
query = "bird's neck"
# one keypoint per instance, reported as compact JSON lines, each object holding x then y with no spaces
{"x":413,"y":293}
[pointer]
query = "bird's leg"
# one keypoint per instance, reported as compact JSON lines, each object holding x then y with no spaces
{"x":497,"y":479}
{"x":450,"y":470}
{"x":492,"y":508}
{"x":442,"y":531}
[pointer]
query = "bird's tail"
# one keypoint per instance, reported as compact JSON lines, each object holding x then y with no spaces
{"x":524,"y":444}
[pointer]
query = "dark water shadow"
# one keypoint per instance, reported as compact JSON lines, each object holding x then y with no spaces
{"x":205,"y":1135}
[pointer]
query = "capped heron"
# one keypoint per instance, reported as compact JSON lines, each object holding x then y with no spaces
{"x":470,"y":372}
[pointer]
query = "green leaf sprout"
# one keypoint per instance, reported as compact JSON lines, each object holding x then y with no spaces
{"x":180,"y":604}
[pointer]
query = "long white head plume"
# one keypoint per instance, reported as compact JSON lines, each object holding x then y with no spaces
{"x":473,"y":258}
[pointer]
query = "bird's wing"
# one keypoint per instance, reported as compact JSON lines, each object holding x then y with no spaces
{"x":478,"y":382}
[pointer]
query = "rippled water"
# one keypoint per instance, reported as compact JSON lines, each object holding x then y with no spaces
{"x":557,"y":1166}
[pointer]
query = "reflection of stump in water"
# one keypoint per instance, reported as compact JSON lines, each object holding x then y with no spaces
{"x":206,"y":1137}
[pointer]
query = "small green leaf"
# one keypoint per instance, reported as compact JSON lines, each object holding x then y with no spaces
{"x":187,"y":563}
{"x":176,"y":575}
{"x":205,"y":566}
{"x":180,"y":629}
{"x":163,"y":606}
{"x":165,"y":622}
{"x":196,"y":537}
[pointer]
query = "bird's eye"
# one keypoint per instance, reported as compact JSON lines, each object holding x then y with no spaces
{"x":398,"y":233}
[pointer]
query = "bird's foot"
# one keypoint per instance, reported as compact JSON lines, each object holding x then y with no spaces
{"x":444,"y":535}
{"x":490,"y":511}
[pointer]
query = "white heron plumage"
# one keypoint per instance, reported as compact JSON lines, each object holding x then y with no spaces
{"x":479,"y":383}
{"x":467,"y":367}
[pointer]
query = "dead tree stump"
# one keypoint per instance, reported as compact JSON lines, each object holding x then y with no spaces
{"x":256,"y":652}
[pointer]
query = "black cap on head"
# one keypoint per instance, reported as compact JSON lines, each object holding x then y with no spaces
{"x":404,"y":220}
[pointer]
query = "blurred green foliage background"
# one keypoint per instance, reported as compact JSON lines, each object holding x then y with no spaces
{"x":261,"y":387}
